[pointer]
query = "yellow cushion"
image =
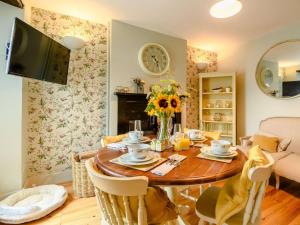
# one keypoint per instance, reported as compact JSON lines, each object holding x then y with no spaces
{"x":266,"y":143}
{"x":234,"y":195}
{"x":213,"y":135}
{"x":112,"y":139}
{"x":159,"y":208}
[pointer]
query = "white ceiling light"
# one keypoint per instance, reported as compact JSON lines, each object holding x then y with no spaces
{"x":225,"y":8}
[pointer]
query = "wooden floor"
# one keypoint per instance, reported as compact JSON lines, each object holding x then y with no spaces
{"x":279,"y":208}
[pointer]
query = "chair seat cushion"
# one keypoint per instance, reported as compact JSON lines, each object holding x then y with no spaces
{"x":159,"y":208}
{"x":289,"y":167}
{"x":32,"y":203}
{"x":206,"y":205}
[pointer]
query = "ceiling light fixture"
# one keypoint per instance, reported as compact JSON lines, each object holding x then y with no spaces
{"x":225,"y":8}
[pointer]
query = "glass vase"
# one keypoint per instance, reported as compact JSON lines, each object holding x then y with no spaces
{"x":165,"y":128}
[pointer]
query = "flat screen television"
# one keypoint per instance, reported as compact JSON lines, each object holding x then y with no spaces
{"x":32,"y":54}
{"x":290,"y":88}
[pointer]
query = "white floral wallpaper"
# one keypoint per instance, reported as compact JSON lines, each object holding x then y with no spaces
{"x":195,"y":55}
{"x":62,"y":119}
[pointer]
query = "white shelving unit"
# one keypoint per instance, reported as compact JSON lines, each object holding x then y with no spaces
{"x":218,"y":109}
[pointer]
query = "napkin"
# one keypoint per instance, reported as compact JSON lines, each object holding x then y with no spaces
{"x":166,"y":167}
{"x":163,"y":169}
{"x":117,"y":146}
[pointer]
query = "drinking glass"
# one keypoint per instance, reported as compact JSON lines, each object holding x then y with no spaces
{"x":177,"y":128}
{"x":138,"y":125}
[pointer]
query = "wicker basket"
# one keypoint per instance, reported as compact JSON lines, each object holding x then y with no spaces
{"x":82,"y":185}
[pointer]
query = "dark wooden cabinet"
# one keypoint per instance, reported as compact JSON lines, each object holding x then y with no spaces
{"x":131,"y":106}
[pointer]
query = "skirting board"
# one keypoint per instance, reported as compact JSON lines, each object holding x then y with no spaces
{"x":54,"y":178}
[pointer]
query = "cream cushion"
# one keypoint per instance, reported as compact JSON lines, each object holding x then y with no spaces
{"x":32,"y":203}
{"x":289,"y":167}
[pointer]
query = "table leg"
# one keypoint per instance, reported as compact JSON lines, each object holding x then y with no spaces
{"x":172,"y":194}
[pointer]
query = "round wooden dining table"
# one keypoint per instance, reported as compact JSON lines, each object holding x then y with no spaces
{"x":191,"y":171}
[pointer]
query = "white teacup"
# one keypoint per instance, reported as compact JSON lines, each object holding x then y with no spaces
{"x":194,"y":134}
{"x":135,"y":135}
{"x":138,"y":151}
{"x":220,"y":146}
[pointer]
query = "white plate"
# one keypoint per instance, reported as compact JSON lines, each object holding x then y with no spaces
{"x":142,"y":140}
{"x":207,"y":151}
{"x":199,"y":139}
{"x":153,"y":160}
{"x":128,"y":158}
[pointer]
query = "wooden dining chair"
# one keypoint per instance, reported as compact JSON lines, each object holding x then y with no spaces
{"x":114,"y":194}
{"x":206,"y":204}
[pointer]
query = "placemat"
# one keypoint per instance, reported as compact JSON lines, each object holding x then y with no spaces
{"x":224,"y":160}
{"x":142,"y":167}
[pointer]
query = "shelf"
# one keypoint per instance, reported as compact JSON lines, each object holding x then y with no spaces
{"x":212,"y":121}
{"x":213,"y":101}
{"x":218,"y":108}
{"x":217,"y":93}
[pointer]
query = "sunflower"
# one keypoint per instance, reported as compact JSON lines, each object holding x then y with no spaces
{"x":151,"y":112}
{"x":161,"y":102}
{"x":174,"y":103}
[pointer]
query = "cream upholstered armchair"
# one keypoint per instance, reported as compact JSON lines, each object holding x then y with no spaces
{"x":286,"y":161}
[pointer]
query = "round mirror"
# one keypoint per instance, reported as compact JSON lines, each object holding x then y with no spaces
{"x":278,"y":71}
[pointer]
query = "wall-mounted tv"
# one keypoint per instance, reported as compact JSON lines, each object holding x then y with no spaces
{"x":34,"y":55}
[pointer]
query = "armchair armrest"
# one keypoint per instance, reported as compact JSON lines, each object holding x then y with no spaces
{"x":245,"y":141}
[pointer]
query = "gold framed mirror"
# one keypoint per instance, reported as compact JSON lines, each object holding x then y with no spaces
{"x":278,"y":71}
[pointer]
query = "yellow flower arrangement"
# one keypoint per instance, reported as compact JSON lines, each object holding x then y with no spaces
{"x":164,"y":101}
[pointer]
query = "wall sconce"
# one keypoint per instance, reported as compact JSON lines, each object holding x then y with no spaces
{"x":201,"y":66}
{"x":72,"y":42}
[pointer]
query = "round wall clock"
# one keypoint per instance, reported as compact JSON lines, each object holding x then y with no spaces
{"x":154,"y":59}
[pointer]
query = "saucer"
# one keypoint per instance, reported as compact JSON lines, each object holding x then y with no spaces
{"x":202,"y":139}
{"x":127,"y":160}
{"x":208,"y":151}
{"x":130,"y":141}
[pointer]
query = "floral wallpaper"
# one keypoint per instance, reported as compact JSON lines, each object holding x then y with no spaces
{"x":195,"y":55}
{"x":62,"y":119}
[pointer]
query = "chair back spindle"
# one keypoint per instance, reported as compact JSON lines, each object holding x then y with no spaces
{"x":107,"y":190}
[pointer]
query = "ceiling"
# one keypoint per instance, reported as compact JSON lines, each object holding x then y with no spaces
{"x":187,"y":19}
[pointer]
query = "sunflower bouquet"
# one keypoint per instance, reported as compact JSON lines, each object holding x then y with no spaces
{"x":164,"y":101}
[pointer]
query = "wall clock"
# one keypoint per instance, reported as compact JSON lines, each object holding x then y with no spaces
{"x":154,"y":59}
